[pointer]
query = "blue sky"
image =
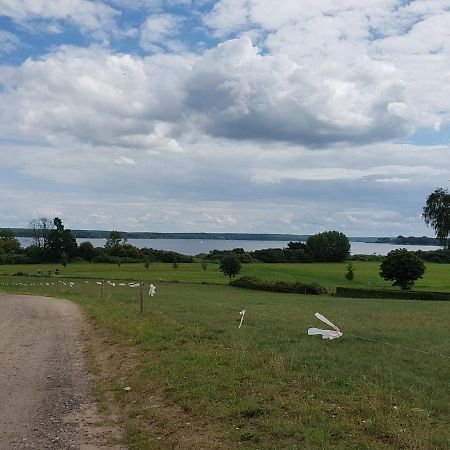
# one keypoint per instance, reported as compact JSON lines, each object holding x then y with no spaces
{"x":227,"y":115}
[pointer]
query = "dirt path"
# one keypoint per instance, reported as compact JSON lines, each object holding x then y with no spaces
{"x":45,"y":399}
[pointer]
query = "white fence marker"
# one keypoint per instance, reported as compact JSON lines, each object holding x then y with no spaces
{"x":242,"y":313}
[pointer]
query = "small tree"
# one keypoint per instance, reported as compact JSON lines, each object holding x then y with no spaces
{"x":204,"y":264}
{"x":230,"y":265}
{"x":147,"y":263}
{"x":402,"y":267}
{"x":349,"y":275}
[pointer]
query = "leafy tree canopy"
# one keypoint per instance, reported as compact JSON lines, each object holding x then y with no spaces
{"x":402,"y":267}
{"x":329,"y":246}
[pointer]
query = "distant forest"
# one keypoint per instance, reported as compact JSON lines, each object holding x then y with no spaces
{"x":410,"y":240}
{"x":102,"y":234}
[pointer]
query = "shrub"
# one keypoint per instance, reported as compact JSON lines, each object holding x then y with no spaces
{"x":280,"y":286}
{"x":384,"y":293}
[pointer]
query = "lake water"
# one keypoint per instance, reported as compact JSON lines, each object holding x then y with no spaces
{"x":196,"y":246}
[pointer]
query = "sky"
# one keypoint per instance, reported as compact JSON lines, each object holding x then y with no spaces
{"x":253,"y":116}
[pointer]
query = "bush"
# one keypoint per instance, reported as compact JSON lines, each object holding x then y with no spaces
{"x":437,"y":256}
{"x":279,"y":286}
{"x":383,"y":293}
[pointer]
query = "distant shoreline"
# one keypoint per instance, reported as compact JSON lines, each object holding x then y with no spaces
{"x":104,"y":234}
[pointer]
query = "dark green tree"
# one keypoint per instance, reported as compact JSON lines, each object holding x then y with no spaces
{"x":402,"y":267}
{"x":230,"y":265}
{"x":204,"y":264}
{"x":9,"y":245}
{"x":436,"y":213}
{"x":86,"y":251}
{"x":114,"y":243}
{"x":329,"y":246}
{"x":60,"y":240}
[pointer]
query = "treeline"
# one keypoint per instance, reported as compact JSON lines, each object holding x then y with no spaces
{"x":329,"y":246}
{"x":102,"y":234}
{"x":410,"y":240}
{"x":54,"y":243}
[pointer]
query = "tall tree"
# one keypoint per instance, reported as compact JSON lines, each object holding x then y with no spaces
{"x":329,"y":246}
{"x":40,"y":229}
{"x":436,"y":213}
{"x":60,"y":242}
{"x":114,"y":242}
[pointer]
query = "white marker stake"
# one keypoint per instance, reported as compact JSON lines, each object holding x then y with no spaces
{"x":152,"y":290}
{"x":242,"y":313}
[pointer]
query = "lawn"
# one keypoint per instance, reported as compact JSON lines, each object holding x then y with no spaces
{"x":330,"y":275}
{"x":197,"y":381}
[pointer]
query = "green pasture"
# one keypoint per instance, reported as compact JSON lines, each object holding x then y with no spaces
{"x":195,"y":375}
{"x":330,"y":275}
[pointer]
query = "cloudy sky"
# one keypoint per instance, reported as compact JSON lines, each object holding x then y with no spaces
{"x":224,"y":115}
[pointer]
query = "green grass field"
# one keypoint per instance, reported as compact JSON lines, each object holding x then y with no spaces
{"x":330,"y":275}
{"x":198,"y":381}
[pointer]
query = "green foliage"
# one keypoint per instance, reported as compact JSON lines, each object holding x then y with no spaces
{"x":60,"y":241}
{"x":438,"y":256}
{"x":64,"y":259}
{"x":114,"y":242}
{"x":279,"y":286}
{"x":204,"y":264}
{"x":350,"y":274}
{"x":402,"y":267}
{"x":282,"y":255}
{"x":436,"y":213}
{"x":230,"y":265}
{"x":329,"y":246}
{"x":9,"y":245}
{"x":86,"y":251}
{"x":384,"y":293}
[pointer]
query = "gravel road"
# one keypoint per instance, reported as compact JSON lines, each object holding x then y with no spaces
{"x":45,"y":400}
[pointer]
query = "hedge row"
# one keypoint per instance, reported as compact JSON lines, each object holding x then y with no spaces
{"x":279,"y":286}
{"x":381,"y":293}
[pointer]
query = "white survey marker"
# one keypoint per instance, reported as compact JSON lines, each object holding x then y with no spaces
{"x":335,"y":333}
{"x":242,"y":313}
{"x":151,"y":290}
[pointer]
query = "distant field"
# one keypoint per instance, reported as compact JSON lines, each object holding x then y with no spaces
{"x":194,"y":375}
{"x":330,"y":275}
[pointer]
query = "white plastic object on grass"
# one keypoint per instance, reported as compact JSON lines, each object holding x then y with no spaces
{"x":99,"y":283}
{"x":335,"y":333}
{"x":133,"y":285}
{"x":242,"y":313}
{"x":151,"y":290}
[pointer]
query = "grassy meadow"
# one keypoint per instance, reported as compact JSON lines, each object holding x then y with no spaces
{"x":197,"y":381}
{"x":330,"y":275}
